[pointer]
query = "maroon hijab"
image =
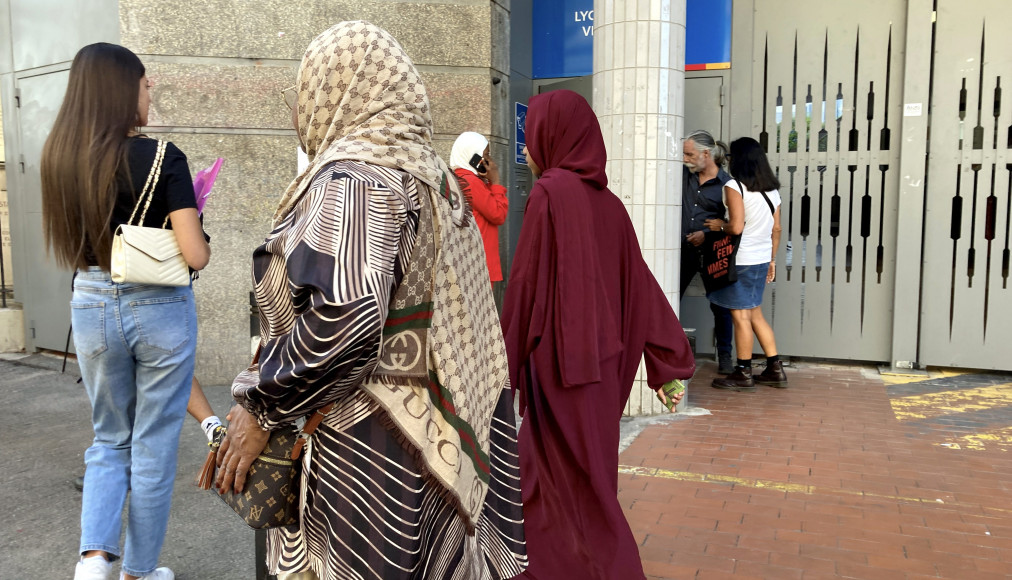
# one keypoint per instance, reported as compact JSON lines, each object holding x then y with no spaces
{"x":564,"y":139}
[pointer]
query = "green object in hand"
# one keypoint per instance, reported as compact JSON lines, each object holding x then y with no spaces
{"x":670,"y":389}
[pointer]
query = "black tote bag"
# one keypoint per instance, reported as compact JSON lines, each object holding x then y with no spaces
{"x":716,"y":260}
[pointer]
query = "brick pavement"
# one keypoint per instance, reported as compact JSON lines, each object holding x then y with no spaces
{"x":819,"y":480}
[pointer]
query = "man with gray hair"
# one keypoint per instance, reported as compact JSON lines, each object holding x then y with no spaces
{"x":702,"y":199}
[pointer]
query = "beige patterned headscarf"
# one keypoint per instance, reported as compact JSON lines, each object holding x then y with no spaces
{"x":360,"y":98}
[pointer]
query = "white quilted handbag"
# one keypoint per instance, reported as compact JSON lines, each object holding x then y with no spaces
{"x":143,"y":255}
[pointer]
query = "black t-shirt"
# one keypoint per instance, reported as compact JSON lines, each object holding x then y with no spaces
{"x":174,"y":190}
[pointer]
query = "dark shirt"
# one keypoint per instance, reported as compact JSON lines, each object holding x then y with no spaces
{"x":701,"y":202}
{"x":174,"y":190}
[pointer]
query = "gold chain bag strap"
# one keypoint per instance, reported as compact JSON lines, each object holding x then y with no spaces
{"x":270,"y":497}
{"x":143,"y":255}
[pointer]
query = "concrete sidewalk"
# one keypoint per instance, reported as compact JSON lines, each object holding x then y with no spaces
{"x":44,"y":433}
{"x":838,"y":476}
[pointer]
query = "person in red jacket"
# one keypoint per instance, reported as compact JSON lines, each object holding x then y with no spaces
{"x":478,"y":176}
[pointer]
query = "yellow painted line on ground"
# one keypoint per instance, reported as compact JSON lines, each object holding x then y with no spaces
{"x":929,"y":405}
{"x":724,"y":479}
{"x":782,"y":486}
{"x":902,"y":379}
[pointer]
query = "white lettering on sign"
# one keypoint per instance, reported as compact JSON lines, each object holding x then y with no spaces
{"x":585,"y":16}
{"x":912,"y":110}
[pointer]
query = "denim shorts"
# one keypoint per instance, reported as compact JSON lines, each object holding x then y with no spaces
{"x":747,"y":292}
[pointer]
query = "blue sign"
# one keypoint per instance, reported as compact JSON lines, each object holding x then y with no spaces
{"x":520,"y":121}
{"x":563,"y":43}
{"x":563,"y":38}
{"x":707,"y":34}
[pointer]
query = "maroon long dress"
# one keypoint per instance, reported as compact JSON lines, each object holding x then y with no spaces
{"x":581,"y":310}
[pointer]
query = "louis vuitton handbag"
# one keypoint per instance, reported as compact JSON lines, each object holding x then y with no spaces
{"x":270,"y":497}
{"x":148,"y":255}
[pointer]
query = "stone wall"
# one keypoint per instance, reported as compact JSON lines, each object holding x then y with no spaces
{"x":217,"y":90}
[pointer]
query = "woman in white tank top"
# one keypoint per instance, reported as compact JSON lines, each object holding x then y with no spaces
{"x":753,"y":207}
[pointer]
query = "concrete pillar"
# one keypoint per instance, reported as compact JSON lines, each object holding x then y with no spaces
{"x":639,"y":88}
{"x":7,"y":279}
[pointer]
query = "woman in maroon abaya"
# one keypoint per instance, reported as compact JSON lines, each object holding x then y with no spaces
{"x":581,"y":310}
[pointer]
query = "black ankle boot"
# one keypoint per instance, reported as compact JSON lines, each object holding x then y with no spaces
{"x":725,"y":365}
{"x":739,"y":380}
{"x":773,"y":376}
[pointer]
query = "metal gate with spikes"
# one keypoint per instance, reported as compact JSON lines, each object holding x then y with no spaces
{"x":884,"y":122}
{"x":825,"y":103}
{"x":966,"y":299}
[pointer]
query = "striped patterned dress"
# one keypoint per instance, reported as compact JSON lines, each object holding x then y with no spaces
{"x":324,"y":281}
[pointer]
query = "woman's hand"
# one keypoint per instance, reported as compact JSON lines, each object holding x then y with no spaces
{"x":771,"y":274}
{"x":715,"y":225}
{"x":491,"y":171}
{"x":244,"y":442}
{"x":677,"y":397}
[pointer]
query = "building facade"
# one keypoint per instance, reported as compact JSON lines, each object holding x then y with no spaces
{"x":888,"y":134}
{"x":887,"y":125}
{"x":218,"y":68}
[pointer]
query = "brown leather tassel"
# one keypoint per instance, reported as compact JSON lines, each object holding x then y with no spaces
{"x":206,"y":476}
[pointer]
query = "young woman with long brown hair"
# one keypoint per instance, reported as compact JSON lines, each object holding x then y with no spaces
{"x":135,"y":343}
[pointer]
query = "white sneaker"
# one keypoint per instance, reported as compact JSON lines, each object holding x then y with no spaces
{"x":159,"y":574}
{"x":93,"y":568}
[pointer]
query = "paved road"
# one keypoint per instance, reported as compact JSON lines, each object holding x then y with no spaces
{"x":44,"y":441}
{"x":839,"y":476}
{"x":44,"y":435}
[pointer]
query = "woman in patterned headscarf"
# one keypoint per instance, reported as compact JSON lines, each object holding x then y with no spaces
{"x":373,"y":295}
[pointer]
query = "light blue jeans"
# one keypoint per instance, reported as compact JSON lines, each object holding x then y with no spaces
{"x":135,"y":346}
